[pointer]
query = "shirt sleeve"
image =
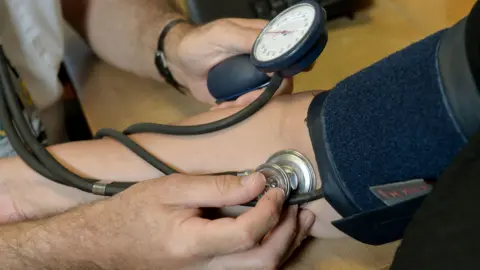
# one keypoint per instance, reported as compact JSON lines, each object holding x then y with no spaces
{"x":445,"y":232}
{"x":33,"y":40}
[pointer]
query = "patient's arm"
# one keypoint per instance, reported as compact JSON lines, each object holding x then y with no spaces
{"x":280,"y":125}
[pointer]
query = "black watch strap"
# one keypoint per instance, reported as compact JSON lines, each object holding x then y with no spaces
{"x":160,"y":59}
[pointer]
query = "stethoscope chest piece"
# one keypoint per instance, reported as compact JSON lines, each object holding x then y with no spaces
{"x":289,"y":170}
{"x":276,"y":178}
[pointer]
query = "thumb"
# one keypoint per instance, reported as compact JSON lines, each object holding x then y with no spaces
{"x":285,"y":88}
{"x":239,"y":39}
{"x":211,"y":191}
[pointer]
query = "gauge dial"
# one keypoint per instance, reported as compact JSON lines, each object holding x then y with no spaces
{"x":284,"y":32}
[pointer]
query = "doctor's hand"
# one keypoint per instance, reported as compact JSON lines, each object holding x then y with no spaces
{"x":159,"y":225}
{"x":192,"y":51}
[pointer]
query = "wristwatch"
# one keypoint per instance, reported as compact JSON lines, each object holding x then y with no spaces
{"x":160,"y":59}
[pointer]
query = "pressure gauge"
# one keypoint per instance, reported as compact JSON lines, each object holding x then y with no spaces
{"x":288,"y":45}
{"x":292,"y":41}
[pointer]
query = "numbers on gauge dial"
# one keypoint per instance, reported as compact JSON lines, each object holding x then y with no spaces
{"x":284,"y":32}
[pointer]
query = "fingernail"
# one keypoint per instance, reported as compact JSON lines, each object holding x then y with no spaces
{"x":307,"y":218}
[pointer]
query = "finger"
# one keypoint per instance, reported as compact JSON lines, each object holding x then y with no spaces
{"x":241,"y":101}
{"x":215,"y":107}
{"x":211,"y":191}
{"x":228,"y":235}
{"x":305,"y":222}
{"x":238,"y":39}
{"x":324,"y":216}
{"x":227,"y":104}
{"x":247,"y":98}
{"x":285,"y":88}
{"x":270,"y":253}
{"x":279,"y":242}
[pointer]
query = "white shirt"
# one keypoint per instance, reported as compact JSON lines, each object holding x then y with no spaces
{"x":31,"y":33}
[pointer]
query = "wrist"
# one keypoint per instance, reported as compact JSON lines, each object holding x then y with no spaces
{"x":150,"y":40}
{"x":75,"y":239}
{"x":9,"y":211}
{"x":148,"y":35}
{"x":171,"y":44}
{"x":38,"y":244}
{"x":15,"y":251}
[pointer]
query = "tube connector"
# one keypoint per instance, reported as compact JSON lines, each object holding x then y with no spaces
{"x":99,"y":188}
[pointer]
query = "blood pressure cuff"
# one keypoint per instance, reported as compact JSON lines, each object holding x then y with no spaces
{"x":429,"y":225}
{"x":383,"y":136}
{"x":365,"y":221}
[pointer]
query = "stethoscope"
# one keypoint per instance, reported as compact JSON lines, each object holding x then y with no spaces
{"x":288,"y":45}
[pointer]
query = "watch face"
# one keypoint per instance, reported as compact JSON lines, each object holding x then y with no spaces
{"x":284,"y":32}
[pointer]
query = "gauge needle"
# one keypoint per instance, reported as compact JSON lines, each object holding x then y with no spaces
{"x":284,"y":32}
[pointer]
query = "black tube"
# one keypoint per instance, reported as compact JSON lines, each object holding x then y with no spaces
{"x":307,"y":197}
{"x":18,"y":145}
{"x":10,"y":127}
{"x":53,"y":166}
{"x":297,"y":199}
{"x":137,"y":149}
{"x":115,"y":188}
{"x":224,"y":123}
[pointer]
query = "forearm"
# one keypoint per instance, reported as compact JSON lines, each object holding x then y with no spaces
{"x":125,"y":33}
{"x":66,"y":241}
{"x":16,"y":252}
{"x":280,"y":125}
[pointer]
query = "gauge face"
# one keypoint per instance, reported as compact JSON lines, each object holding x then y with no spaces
{"x":284,"y":32}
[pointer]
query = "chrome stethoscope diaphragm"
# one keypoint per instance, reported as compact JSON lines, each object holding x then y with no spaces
{"x":288,"y":170}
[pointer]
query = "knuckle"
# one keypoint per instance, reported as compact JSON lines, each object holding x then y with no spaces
{"x":224,"y":183}
{"x":171,"y":180}
{"x":171,"y":184}
{"x":247,"y":239}
{"x":224,"y":22}
{"x":178,"y":250}
{"x":221,"y":25}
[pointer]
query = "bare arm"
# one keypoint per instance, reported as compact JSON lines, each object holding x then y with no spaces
{"x":125,"y":33}
{"x":164,"y":232}
{"x":38,"y":244}
{"x":280,"y":125}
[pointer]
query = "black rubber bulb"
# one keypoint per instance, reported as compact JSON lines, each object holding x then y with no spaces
{"x":234,"y":77}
